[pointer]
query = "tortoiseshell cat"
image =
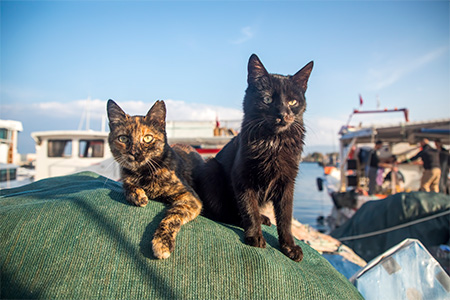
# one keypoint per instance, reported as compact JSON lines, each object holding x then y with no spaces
{"x":261,"y":163}
{"x":151,"y":169}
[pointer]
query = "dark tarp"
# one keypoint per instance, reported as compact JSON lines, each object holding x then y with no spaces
{"x":75,"y":237}
{"x":397,"y":210}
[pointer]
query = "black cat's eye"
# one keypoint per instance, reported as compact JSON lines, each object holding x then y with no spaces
{"x":267,"y":100}
{"x":292,"y":102}
{"x":123,"y":139}
{"x":147,"y":139}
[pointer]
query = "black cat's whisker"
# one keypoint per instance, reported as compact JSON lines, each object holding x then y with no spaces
{"x":253,"y":127}
{"x":297,"y":126}
{"x":262,"y":162}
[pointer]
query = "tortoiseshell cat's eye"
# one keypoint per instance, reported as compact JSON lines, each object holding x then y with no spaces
{"x":159,"y":172}
{"x":147,"y":139}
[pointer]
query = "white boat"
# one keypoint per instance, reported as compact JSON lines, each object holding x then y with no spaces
{"x":66,"y":152}
{"x":347,"y":182}
{"x":11,"y":174}
{"x":9,"y":130}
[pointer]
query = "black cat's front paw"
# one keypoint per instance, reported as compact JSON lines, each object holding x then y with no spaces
{"x":293,"y":252}
{"x":256,"y":241}
{"x":266,"y":220}
{"x":137,"y":197}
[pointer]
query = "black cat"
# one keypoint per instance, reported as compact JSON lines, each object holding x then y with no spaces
{"x":261,"y":163}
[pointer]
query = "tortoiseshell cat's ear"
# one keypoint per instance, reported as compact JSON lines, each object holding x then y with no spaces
{"x":301,"y":77}
{"x":115,"y":113}
{"x":256,"y":69}
{"x":157,"y":113}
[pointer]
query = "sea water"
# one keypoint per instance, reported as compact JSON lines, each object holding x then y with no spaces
{"x":309,"y":202}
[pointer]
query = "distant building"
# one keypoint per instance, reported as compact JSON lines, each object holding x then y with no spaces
{"x":8,"y":141}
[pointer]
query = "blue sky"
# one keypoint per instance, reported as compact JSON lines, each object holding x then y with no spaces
{"x":56,"y":54}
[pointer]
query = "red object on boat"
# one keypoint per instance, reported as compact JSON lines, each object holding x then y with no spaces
{"x":207,"y":150}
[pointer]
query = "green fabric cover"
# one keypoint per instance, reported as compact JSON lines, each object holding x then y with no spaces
{"x":393,"y":211}
{"x":77,"y":237}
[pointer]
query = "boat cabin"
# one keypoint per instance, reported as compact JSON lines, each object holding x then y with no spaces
{"x":9,"y":131}
{"x":65,"y":152}
{"x":400,"y":139}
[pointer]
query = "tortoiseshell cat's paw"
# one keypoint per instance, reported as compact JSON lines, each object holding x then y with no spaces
{"x":256,"y":241}
{"x":266,"y":220}
{"x":162,"y":247}
{"x":293,"y":252}
{"x":138,"y":197}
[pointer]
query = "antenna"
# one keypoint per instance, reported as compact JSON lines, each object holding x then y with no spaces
{"x":88,"y":113}
{"x":103,"y":122}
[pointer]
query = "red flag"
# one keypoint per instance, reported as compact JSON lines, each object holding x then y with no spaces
{"x":360,"y":100}
{"x":217,"y":121}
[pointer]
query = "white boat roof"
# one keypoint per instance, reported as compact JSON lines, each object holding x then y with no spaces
{"x":411,"y":132}
{"x":11,"y":125}
{"x":40,"y":135}
{"x":4,"y":166}
{"x":45,"y":135}
{"x":207,"y":141}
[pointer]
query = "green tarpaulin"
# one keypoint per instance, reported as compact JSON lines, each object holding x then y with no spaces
{"x":76,"y":237}
{"x":381,"y":224}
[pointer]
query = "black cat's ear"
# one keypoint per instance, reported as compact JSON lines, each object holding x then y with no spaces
{"x":157,"y":113}
{"x":256,"y":69}
{"x":301,"y":77}
{"x":115,"y":113}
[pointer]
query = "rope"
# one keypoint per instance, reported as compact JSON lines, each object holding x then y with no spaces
{"x":369,"y":234}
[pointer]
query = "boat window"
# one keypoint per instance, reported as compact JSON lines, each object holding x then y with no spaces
{"x":3,"y":133}
{"x":8,"y":174}
{"x":59,"y":148}
{"x":91,"y":148}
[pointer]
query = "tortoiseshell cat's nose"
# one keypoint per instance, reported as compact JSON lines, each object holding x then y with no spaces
{"x":133,"y":154}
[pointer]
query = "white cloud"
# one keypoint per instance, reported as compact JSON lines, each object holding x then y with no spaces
{"x":180,"y":110}
{"x":176,"y":110}
{"x":322,"y":131}
{"x":72,"y":115}
{"x":246,"y":34}
{"x":386,"y":76}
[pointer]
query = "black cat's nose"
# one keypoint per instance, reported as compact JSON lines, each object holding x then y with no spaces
{"x":283,"y":118}
{"x":280,"y":117}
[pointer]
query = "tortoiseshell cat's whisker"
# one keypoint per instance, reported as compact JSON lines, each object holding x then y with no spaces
{"x":151,"y":169}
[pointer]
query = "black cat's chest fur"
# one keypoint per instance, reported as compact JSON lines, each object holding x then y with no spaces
{"x":269,"y":160}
